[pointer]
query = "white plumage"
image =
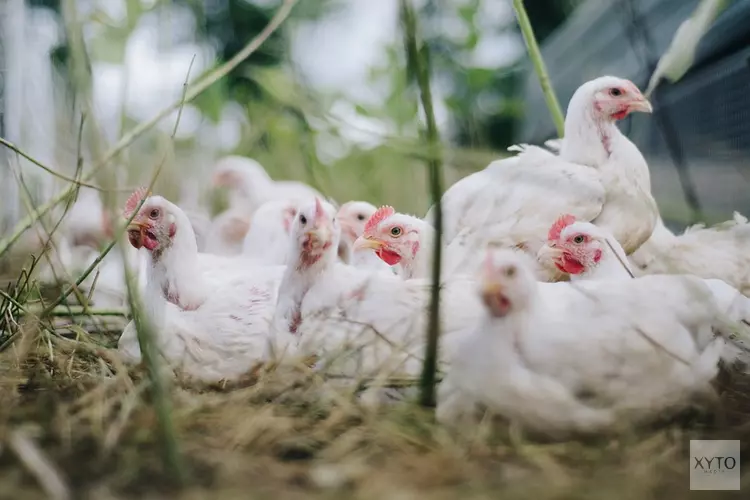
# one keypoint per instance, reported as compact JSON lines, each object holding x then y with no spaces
{"x":211,"y":314}
{"x":599,"y":176}
{"x":251,"y":186}
{"x":353,"y":217}
{"x":560,"y":357}
{"x":377,"y":320}
{"x":709,"y":252}
{"x":267,"y":241}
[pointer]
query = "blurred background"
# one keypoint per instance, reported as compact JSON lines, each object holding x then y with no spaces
{"x":325,"y":100}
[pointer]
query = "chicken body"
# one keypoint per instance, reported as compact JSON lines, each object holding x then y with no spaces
{"x":709,"y":252}
{"x":599,"y":176}
{"x":267,"y":241}
{"x":587,"y":252}
{"x":362,"y":323}
{"x":647,"y":346}
{"x":211,"y":314}
{"x":251,"y":186}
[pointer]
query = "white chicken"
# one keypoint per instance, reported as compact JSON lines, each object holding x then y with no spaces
{"x":227,"y":231}
{"x":251,"y":186}
{"x":353,"y":217}
{"x":363,"y":323}
{"x":187,"y":277}
{"x":709,"y":252}
{"x":406,"y":242}
{"x":584,"y":251}
{"x":587,"y":252}
{"x":267,"y":241}
{"x":212,"y":321}
{"x":87,"y":222}
{"x":599,"y":176}
{"x":647,"y":345}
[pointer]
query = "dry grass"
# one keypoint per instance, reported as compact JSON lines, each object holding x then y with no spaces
{"x":289,"y":434}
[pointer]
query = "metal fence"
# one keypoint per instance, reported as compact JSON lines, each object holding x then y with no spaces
{"x":699,"y":139}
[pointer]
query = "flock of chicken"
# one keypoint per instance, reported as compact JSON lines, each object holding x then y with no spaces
{"x":547,"y":315}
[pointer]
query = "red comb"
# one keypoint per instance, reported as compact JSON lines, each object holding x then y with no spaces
{"x":557,"y":228}
{"x":134,"y":200}
{"x":380,"y":214}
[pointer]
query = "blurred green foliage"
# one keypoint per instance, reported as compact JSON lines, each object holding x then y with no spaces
{"x":285,"y":123}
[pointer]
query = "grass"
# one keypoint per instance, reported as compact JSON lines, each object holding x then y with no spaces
{"x":286,"y":433}
{"x":76,"y":423}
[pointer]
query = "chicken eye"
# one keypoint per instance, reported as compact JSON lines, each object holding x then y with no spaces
{"x":578,"y":239}
{"x":615,"y":92}
{"x":302,"y":220}
{"x":361,"y":217}
{"x":396,"y":232}
{"x":154,"y":213}
{"x":510,"y":271}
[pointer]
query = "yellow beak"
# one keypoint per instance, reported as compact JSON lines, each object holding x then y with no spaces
{"x":492,"y":288}
{"x":642,"y":105}
{"x":318,"y":235}
{"x":135,"y":224}
{"x":369,"y":242}
{"x":548,"y":254}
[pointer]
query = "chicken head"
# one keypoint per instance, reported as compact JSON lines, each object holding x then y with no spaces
{"x":615,"y":98}
{"x":506,"y":282}
{"x":315,"y":232}
{"x":353,"y":217}
{"x":572,"y":246}
{"x":154,"y":226}
{"x":395,"y":238}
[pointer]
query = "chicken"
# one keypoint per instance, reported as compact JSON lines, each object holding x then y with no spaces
{"x":599,"y":176}
{"x":647,"y":345}
{"x":587,"y":252}
{"x":250,"y":185}
{"x":377,"y":320}
{"x":717,"y":252}
{"x":227,"y":231}
{"x":268,"y":237}
{"x":187,"y":277}
{"x":212,"y":322}
{"x":353,"y":217}
{"x":408,"y":242}
{"x":584,"y":251}
{"x":87,"y":222}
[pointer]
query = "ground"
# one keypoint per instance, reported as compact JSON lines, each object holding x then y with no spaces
{"x":286,"y":434}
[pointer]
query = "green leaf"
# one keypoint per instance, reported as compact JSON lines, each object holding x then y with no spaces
{"x":479,"y":78}
{"x":211,"y":101}
{"x":467,"y":12}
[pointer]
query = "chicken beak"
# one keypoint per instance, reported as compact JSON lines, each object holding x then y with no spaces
{"x":549,"y":254}
{"x":317,"y":236}
{"x":492,"y":288}
{"x":367,"y":242}
{"x":135,"y":232}
{"x":494,"y":298}
{"x":641,"y":104}
{"x":136,"y":225}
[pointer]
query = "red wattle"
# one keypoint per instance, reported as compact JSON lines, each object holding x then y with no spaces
{"x":387,"y":256}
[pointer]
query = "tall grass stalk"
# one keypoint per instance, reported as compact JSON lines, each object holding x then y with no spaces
{"x":196,"y":89}
{"x":541,"y":69}
{"x":159,"y":387}
{"x":418,"y":66}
